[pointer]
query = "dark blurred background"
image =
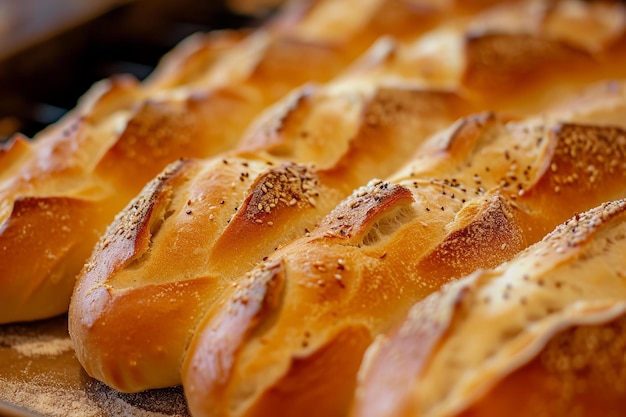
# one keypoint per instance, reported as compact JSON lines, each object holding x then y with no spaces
{"x":52,"y":51}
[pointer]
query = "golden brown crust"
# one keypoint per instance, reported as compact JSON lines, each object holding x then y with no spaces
{"x":395,"y":360}
{"x":517,"y":53}
{"x":107,"y":301}
{"x":264,"y":293}
{"x":47,"y":217}
{"x":365,"y":207}
{"x":158,"y":131}
{"x":499,"y":61}
{"x":278,"y":207}
{"x":283,"y":178}
{"x":124,"y":132}
{"x":65,"y":221}
{"x":257,"y":205}
{"x":102,"y":100}
{"x":198,"y":103}
{"x":392,"y":113}
{"x":12,"y":152}
{"x":346,"y":274}
{"x":467,"y":201}
{"x":129,"y":235}
{"x":584,"y":159}
{"x":513,"y":314}
{"x":127,"y":240}
{"x":495,"y":230}
{"x":580,"y":370}
{"x":473,"y":196}
{"x":191,"y":58}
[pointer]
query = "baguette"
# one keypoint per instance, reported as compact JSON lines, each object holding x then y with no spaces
{"x":203,"y":223}
{"x":198,"y":103}
{"x":172,"y":271}
{"x":81,"y":171}
{"x":550,"y":319}
{"x":475,"y":196}
{"x":545,"y":47}
{"x":123,"y":277}
{"x":123,"y":133}
{"x":377,"y":134}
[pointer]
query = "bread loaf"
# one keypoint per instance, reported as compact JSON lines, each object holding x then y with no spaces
{"x":544,"y":47}
{"x":539,"y":335}
{"x":123,"y":133}
{"x":289,"y":193}
{"x":177,"y":247}
{"x":473,"y":197}
{"x":203,"y":223}
{"x":198,"y":103}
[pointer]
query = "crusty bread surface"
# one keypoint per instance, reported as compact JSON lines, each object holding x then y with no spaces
{"x":474,"y":196}
{"x":197,"y":103}
{"x":194,"y":232}
{"x":364,"y":207}
{"x":539,"y":335}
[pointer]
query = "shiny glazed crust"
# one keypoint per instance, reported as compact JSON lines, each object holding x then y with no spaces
{"x":473,"y":197}
{"x":198,"y":103}
{"x":378,"y":111}
{"x":286,"y":195}
{"x":476,"y":347}
{"x":220,"y":217}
